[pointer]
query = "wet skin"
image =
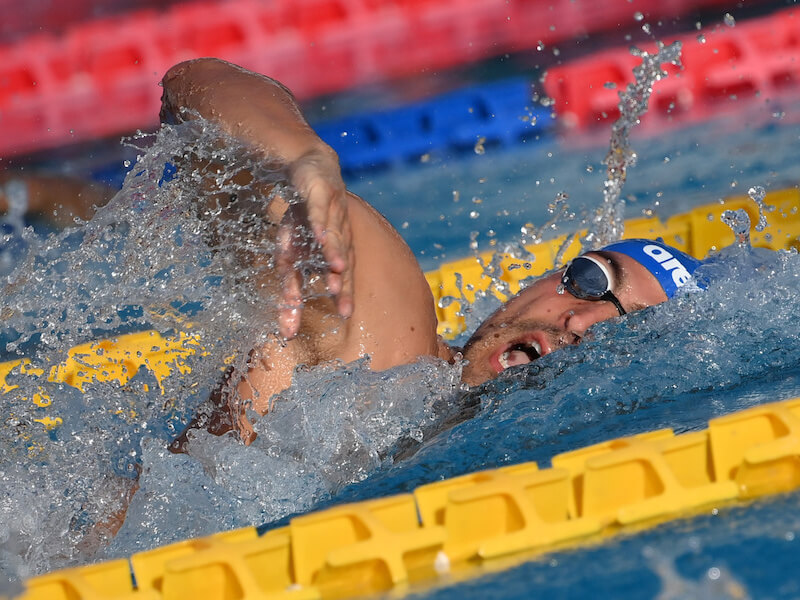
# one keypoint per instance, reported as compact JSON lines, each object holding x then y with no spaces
{"x":540,"y":320}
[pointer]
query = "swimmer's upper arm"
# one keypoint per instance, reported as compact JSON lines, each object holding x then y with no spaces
{"x":392,"y":297}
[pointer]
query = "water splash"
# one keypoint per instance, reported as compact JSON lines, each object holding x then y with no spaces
{"x":739,"y":222}
{"x":607,"y":225}
{"x":188,"y":244}
{"x":12,"y":226}
{"x":560,"y":216}
{"x":757,"y":194}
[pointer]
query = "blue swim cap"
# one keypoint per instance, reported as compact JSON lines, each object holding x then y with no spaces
{"x":671,"y":267}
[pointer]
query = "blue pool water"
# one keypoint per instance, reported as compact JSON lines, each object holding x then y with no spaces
{"x":347,"y":434}
{"x":712,"y":358}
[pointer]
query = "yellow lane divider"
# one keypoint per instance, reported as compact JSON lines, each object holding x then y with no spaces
{"x":464,"y":526}
{"x":696,"y":232}
{"x":117,"y":359}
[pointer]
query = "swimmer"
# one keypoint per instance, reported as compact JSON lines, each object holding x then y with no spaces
{"x":379,"y":303}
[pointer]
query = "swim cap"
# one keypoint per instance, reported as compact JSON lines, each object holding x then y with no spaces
{"x":671,"y":267}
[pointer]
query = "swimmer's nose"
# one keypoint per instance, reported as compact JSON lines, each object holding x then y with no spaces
{"x":586,"y":313}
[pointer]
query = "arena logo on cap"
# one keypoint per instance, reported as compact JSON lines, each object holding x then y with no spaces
{"x":668,"y":262}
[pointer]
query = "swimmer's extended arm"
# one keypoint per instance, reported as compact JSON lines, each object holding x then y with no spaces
{"x":263,"y":113}
{"x":55,"y":198}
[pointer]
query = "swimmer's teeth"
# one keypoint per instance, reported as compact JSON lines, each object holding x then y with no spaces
{"x":535,"y":349}
{"x":531,"y":349}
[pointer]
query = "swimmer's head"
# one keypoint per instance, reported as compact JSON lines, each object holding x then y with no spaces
{"x":557,"y":309}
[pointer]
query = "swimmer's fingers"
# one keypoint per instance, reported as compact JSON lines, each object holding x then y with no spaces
{"x":290,"y":307}
{"x":337,"y":248}
{"x":318,"y":179}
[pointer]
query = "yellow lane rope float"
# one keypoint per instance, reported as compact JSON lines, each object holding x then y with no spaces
{"x":466,"y":524}
{"x":697,"y":232}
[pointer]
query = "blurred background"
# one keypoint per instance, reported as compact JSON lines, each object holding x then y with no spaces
{"x":475,"y":111}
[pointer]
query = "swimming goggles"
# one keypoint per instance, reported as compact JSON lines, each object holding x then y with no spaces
{"x":587,"y":278}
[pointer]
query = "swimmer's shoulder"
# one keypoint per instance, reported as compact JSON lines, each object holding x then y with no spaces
{"x":394,"y":319}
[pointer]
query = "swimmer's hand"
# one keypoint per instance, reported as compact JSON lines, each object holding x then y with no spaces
{"x":263,"y":113}
{"x":317,"y":178}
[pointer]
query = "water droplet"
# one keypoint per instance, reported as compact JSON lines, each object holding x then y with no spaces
{"x":729,"y":20}
{"x":638,"y":16}
{"x":474,"y":214}
{"x":701,"y":38}
{"x":646,"y":28}
{"x":757,"y":194}
{"x":610,"y":85}
{"x":739,"y":222}
{"x":479,"y":147}
{"x":441,"y":563}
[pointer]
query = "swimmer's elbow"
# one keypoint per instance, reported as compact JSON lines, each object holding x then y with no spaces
{"x":192,"y":68}
{"x":197,"y":84}
{"x":181,"y":82}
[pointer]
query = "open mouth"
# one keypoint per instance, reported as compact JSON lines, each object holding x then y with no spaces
{"x":520,"y":354}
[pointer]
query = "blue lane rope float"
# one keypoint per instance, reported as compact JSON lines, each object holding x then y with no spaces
{"x":501,"y":113}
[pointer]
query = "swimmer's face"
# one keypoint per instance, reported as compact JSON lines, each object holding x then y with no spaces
{"x":539,"y":320}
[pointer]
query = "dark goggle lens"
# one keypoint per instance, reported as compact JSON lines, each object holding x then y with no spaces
{"x":585,"y":279}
